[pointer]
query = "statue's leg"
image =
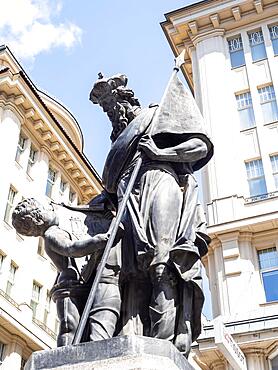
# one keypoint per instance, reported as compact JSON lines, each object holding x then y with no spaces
{"x":164,"y":215}
{"x":163,"y":306}
{"x":105,"y":311}
{"x":183,"y":339}
{"x":68,"y":314}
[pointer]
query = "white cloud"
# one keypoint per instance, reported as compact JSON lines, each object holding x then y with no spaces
{"x":29,"y":28}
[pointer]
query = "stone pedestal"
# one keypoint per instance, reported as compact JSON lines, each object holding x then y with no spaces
{"x":119,"y":353}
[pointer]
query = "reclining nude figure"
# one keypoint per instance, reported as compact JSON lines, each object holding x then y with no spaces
{"x":31,"y":218}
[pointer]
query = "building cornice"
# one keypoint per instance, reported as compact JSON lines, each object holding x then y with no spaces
{"x":186,"y":26}
{"x":32,"y":112}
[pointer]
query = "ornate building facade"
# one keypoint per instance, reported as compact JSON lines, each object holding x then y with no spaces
{"x":232,"y":69}
{"x":41,"y":155}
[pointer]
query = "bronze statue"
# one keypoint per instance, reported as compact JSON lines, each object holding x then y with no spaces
{"x":164,"y":223}
{"x":147,"y":281}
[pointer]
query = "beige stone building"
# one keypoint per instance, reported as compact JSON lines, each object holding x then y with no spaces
{"x":232,"y":69}
{"x":41,"y":156}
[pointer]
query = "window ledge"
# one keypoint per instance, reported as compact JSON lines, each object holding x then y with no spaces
{"x":268,"y":303}
{"x":261,"y":197}
{"x":237,"y":67}
{"x":270,"y":123}
{"x":259,"y":60}
{"x":248,"y":129}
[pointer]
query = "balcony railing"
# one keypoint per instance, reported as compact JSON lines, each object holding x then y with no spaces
{"x":260,"y":197}
{"x":9,"y":299}
{"x":45,"y":328}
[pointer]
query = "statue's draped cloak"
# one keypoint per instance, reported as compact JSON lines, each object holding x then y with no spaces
{"x":165,"y":221}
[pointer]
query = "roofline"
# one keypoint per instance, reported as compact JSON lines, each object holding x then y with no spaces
{"x":67,"y":110}
{"x":32,"y":86}
{"x":5,"y":47}
{"x":187,"y":7}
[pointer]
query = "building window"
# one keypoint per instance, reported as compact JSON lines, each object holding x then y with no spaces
{"x":31,"y":160}
{"x":72,"y":196}
{"x":50,"y":182}
{"x":2,"y":350}
{"x":268,"y":104}
{"x":11,"y":278}
{"x":236,"y":52}
{"x":47,"y":307}
{"x":2,"y":257}
{"x":63,"y":186}
{"x":40,"y":249}
{"x":256,"y":41}
{"x":245,"y":110}
{"x":268,"y":262}
{"x":20,"y":147}
{"x":255,"y":176}
{"x":274,"y":164}
{"x":273,"y":30}
{"x":10,"y":205}
{"x":36,"y":291}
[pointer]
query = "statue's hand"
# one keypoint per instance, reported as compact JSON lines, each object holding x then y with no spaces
{"x":147,"y":145}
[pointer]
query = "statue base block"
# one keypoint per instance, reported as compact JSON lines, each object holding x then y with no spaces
{"x":119,"y":353}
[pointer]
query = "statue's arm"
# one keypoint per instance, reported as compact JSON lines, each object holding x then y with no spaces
{"x":191,"y":150}
{"x":60,"y":243}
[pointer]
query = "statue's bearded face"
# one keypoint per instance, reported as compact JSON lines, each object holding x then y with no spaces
{"x":119,"y":111}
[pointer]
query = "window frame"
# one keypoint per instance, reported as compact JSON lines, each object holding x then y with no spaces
{"x":50,"y":182}
{"x":262,"y":176}
{"x":236,"y":50}
{"x":72,"y":196}
{"x":265,"y":270}
{"x":244,"y":102}
{"x":31,"y":161}
{"x":274,"y":166}
{"x":10,"y":204}
{"x":20,"y":147}
{"x":34,"y":302}
{"x":274,"y":38}
{"x":11,"y":277}
{"x":253,"y":47}
{"x":268,"y":97}
{"x":62,"y":188}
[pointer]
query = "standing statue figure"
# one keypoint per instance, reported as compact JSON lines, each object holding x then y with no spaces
{"x":164,"y":224}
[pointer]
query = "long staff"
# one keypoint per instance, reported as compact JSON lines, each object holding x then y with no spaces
{"x":78,"y":335}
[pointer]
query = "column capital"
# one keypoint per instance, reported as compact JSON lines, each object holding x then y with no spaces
{"x":254,"y":351}
{"x":245,"y":236}
{"x":234,"y":235}
{"x":207,"y":35}
{"x":215,"y":243}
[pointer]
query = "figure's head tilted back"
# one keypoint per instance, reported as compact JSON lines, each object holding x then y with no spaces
{"x":31,"y":218}
{"x":116,"y":100}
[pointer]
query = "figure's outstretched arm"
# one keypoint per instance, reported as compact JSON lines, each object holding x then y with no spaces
{"x":191,"y":150}
{"x":59,"y":242}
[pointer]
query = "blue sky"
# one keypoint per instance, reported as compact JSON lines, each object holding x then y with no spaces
{"x":63,"y":45}
{"x":116,"y":36}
